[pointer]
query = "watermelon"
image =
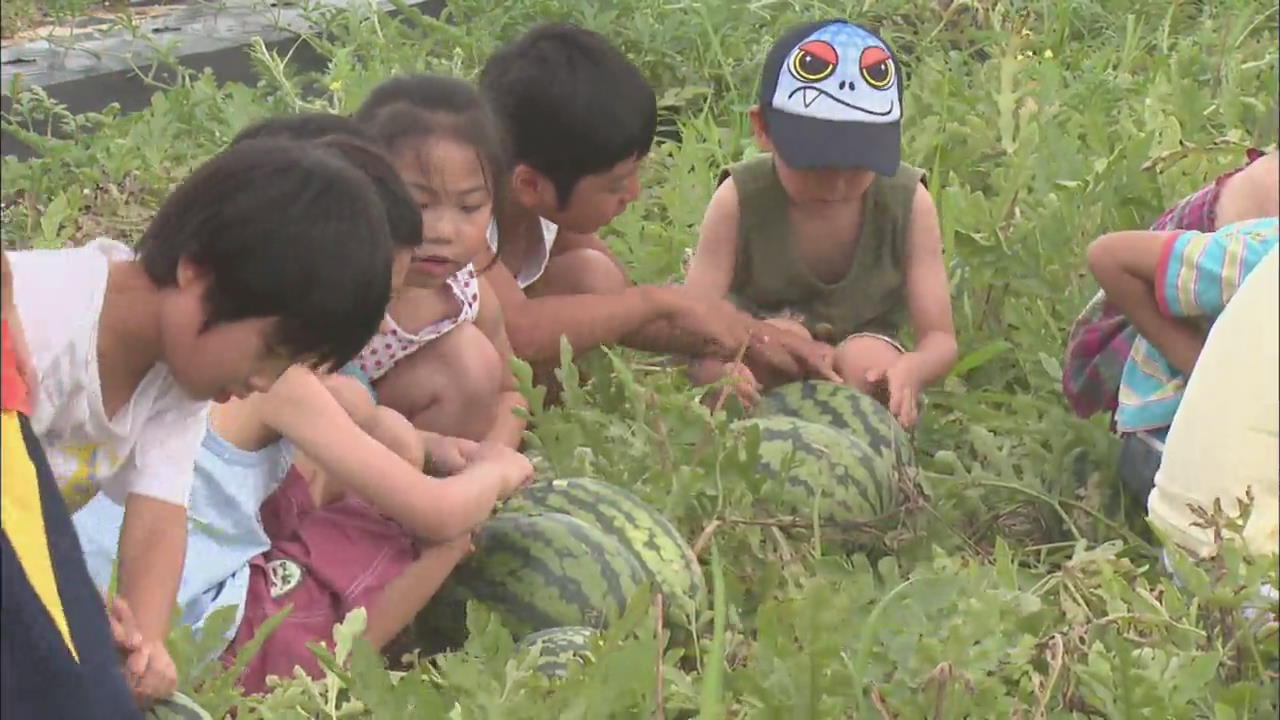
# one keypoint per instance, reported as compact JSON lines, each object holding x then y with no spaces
{"x":659,"y":547}
{"x":535,"y":571}
{"x":557,"y":647}
{"x":841,"y":407}
{"x":802,"y":460}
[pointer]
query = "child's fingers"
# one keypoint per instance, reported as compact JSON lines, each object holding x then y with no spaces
{"x":136,"y":665}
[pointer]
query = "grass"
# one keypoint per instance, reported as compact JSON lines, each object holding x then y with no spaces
{"x":1020,"y":585}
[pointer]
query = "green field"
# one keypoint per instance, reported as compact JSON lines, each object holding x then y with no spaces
{"x":1019,"y":584}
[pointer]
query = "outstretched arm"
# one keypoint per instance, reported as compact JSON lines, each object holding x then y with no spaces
{"x":301,"y":409}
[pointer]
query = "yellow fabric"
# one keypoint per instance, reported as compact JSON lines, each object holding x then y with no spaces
{"x":22,"y":518}
{"x":1226,"y":434}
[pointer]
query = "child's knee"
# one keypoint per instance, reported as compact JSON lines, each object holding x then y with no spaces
{"x":479,"y":367}
{"x":581,"y":271}
{"x":398,"y":434}
{"x":352,"y":396}
{"x":859,"y":354}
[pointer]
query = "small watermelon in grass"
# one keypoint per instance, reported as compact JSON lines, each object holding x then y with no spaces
{"x":535,"y":571}
{"x":804,"y":462}
{"x":652,"y":539}
{"x":843,"y":408}
{"x":559,"y":646}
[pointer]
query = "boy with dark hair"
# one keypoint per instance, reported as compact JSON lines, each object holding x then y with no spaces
{"x":829,"y":233}
{"x":270,"y":254}
{"x":581,"y":119}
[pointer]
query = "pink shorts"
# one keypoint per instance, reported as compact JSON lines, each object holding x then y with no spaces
{"x":323,"y":562}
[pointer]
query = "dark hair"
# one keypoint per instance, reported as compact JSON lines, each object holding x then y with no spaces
{"x":418,"y":107}
{"x":284,"y":229}
{"x":572,"y":104}
{"x":357,"y":146}
{"x":404,"y":218}
{"x":303,"y":126}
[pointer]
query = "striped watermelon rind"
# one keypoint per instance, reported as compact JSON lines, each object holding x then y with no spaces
{"x":652,"y":539}
{"x":557,"y":647}
{"x":841,"y":407}
{"x":804,"y":460}
{"x":536,"y":571}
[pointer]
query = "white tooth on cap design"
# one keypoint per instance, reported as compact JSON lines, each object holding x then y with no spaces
{"x":809,"y":95}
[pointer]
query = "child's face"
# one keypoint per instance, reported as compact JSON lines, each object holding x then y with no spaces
{"x":230,"y":359}
{"x":813,"y":186}
{"x":448,"y":181}
{"x":595,"y":201}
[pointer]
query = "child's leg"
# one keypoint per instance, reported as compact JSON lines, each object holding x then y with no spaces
{"x":407,"y":594}
{"x":861,"y":353}
{"x":450,"y":386}
{"x":1136,"y":467}
{"x":577,"y":272}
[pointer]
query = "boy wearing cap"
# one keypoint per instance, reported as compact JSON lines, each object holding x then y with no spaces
{"x":828,"y":233}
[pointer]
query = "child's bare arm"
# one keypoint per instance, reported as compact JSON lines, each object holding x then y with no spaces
{"x":408,"y":593}
{"x":711,"y":269}
{"x":153,"y":547}
{"x":1252,"y":193}
{"x":1126,"y":265}
{"x":646,"y":317}
{"x":508,"y":429}
{"x":928,"y":292}
{"x":300,"y":408}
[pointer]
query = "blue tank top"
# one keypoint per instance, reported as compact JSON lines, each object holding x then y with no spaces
{"x":223,"y":527}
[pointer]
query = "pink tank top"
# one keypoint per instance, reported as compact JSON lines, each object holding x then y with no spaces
{"x":390,"y":347}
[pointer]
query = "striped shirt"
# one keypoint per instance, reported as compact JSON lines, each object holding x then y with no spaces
{"x":1197,"y":275}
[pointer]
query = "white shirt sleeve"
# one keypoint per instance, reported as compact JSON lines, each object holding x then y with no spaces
{"x":163,"y":462}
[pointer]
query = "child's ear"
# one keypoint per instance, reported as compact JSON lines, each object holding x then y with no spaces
{"x":189,"y":273}
{"x":527,"y":185}
{"x":758,"y":130}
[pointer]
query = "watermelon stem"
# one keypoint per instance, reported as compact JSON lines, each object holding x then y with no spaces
{"x":661,"y":711}
{"x":712,"y":700}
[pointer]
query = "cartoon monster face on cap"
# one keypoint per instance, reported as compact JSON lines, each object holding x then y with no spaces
{"x":842,"y":73}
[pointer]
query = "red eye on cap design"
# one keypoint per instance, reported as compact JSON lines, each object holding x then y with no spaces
{"x":814,"y":61}
{"x":877,"y":67}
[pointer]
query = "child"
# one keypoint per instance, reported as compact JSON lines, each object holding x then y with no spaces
{"x":829,"y":233}
{"x":1170,"y":286}
{"x":443,"y":357}
{"x":1225,"y":438}
{"x":581,"y":119}
{"x":130,"y":349}
{"x":250,"y":445}
{"x":1101,"y":338}
{"x":55,"y":631}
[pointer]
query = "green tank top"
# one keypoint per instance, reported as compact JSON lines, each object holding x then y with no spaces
{"x":769,"y":280}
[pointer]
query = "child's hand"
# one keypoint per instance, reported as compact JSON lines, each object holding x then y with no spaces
{"x":151,"y":673}
{"x":744,"y":383}
{"x":722,"y":328}
{"x":513,"y":470}
{"x":903,"y":378}
{"x":124,"y":629}
{"x":447,"y":455}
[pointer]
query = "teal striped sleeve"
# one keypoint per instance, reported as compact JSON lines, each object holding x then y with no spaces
{"x":1199,"y":272}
